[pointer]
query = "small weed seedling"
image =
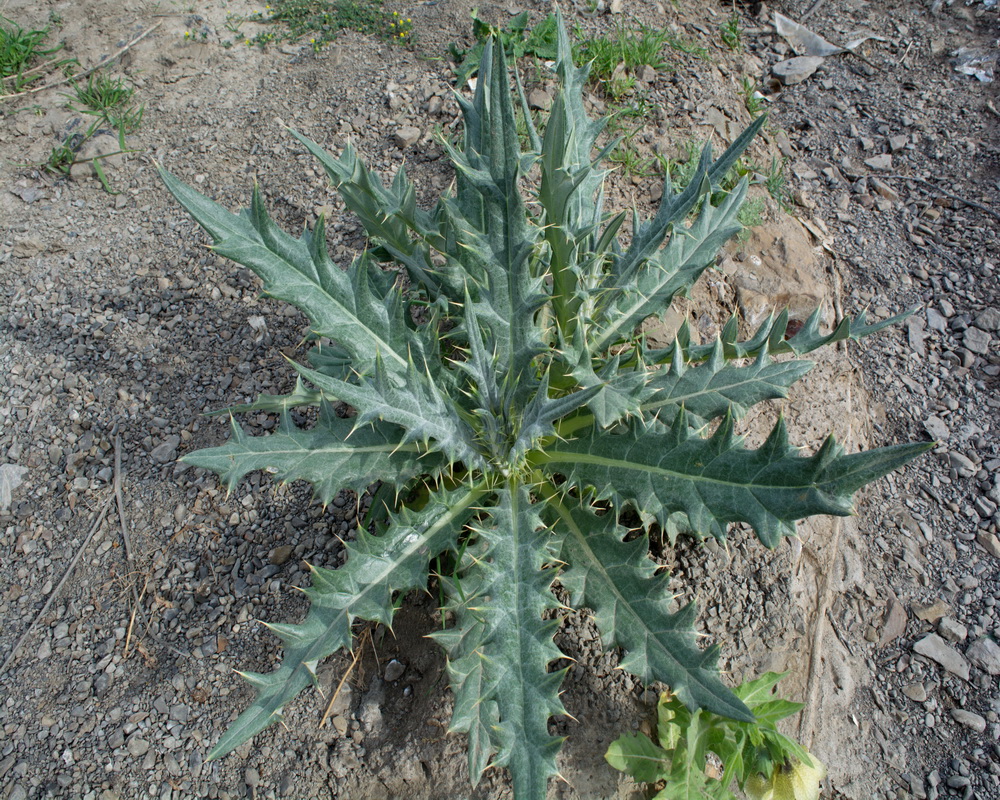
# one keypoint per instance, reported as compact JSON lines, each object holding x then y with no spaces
{"x":630,"y":160}
{"x":732,"y":33}
{"x":776,"y":183}
{"x":751,"y":97}
{"x":636,"y":48}
{"x":19,"y":49}
{"x":701,"y":755}
{"x":517,"y":39}
{"x":519,"y":423}
{"x":108,"y":98}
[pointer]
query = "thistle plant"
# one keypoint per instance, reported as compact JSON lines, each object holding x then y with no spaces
{"x":506,"y":416}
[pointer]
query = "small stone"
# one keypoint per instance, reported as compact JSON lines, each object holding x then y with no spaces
{"x":989,"y":542}
{"x":137,"y":747}
{"x":916,"y":692}
{"x":937,"y":429}
{"x":969,"y":719}
{"x":539,"y":99}
{"x":882,"y":163}
{"x":936,"y":649}
{"x":28,"y":248}
{"x":977,"y":340}
{"x":339,"y":725}
{"x":166,"y":451}
{"x":985,"y":654}
{"x":406,"y":136}
{"x":936,"y":321}
{"x":251,"y":777}
{"x":280,"y":555}
{"x":961,"y":462}
{"x":988,"y":320}
{"x":930,"y":612}
{"x":897,"y":143}
{"x":952,"y":630}
{"x":884,"y":190}
{"x":647,"y":74}
{"x":894,"y":624}
{"x":796,"y":70}
{"x":394,"y":671}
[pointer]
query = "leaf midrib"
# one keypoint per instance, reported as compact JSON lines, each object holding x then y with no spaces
{"x":539,"y":458}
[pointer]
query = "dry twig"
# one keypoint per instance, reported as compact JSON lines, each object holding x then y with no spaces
{"x":343,"y":680}
{"x":52,"y":595}
{"x":943,"y":193}
{"x":97,"y":66}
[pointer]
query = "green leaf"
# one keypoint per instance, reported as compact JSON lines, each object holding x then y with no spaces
{"x":639,"y":757}
{"x":283,"y":403}
{"x":669,"y":272}
{"x":334,"y":454}
{"x":760,"y":690}
{"x":712,"y":389}
{"x":418,"y":405}
{"x":341,"y":306}
{"x":390,"y":216}
{"x":500,"y":646}
{"x":674,"y":207}
{"x":772,"y":336}
{"x":715,"y":481}
{"x":490,"y":221}
{"x":377,"y":566}
{"x":631,"y":607}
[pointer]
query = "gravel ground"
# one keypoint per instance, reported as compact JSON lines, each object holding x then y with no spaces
{"x":118,"y":330}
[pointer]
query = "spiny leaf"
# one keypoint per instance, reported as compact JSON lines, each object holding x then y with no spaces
{"x":340,"y":305}
{"x":671,"y":271}
{"x":715,"y":481}
{"x":500,"y":646}
{"x":390,"y":216}
{"x":772,"y":336}
{"x":377,"y":566}
{"x":332,"y":455}
{"x":617,"y":580}
{"x":712,"y":389}
{"x":418,"y":406}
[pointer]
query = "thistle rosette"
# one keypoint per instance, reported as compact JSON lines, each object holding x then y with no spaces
{"x":521,"y":416}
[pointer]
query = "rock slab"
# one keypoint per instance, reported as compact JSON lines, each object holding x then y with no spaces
{"x":937,"y":649}
{"x":796,"y":70}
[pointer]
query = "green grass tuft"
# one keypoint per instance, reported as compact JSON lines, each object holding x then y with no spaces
{"x":19,"y":49}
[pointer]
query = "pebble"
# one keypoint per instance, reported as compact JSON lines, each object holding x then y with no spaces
{"x":977,"y":341}
{"x":539,"y":99}
{"x":882,"y":163}
{"x":935,"y":648}
{"x":916,"y":692}
{"x":989,"y":542}
{"x":406,"y":136}
{"x":166,"y":451}
{"x":988,"y":320}
{"x":394,"y":671}
{"x":251,"y":777}
{"x":930,"y":612}
{"x":937,"y":429}
{"x":137,"y":747}
{"x":969,"y":719}
{"x":985,"y":654}
{"x":952,"y":630}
